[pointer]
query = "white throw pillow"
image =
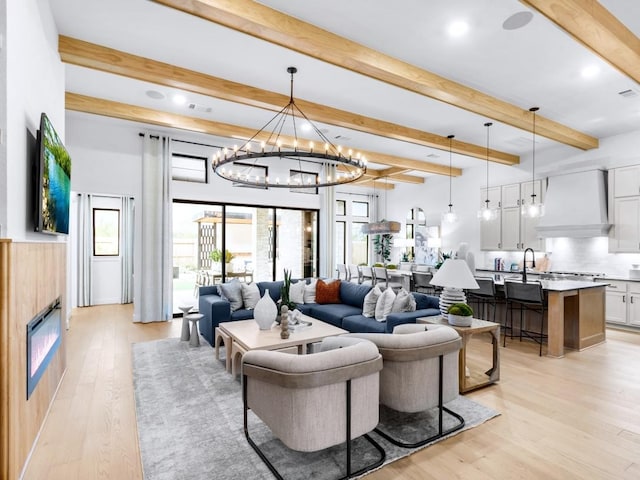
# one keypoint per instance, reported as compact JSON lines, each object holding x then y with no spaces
{"x":404,"y":302}
{"x":384,"y":304}
{"x":310,"y":292}
{"x":370,"y":302}
{"x":232,"y":292}
{"x":296,"y":291}
{"x":250,"y":295}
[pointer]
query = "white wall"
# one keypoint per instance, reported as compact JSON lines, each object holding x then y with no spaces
{"x":35,"y":85}
{"x":3,"y":119}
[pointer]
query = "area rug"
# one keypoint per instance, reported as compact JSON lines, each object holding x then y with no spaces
{"x":189,"y":413}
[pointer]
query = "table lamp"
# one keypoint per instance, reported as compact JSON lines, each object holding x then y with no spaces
{"x":454,"y":276}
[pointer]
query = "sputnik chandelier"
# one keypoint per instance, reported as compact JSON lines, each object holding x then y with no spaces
{"x":296,"y":164}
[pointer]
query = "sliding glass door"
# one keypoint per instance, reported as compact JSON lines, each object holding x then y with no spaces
{"x":216,"y":243}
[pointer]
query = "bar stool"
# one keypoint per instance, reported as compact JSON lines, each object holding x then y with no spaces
{"x":529,"y":297}
{"x":485,"y":296}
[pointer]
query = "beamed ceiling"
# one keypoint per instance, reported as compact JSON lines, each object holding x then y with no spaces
{"x":383,"y":78}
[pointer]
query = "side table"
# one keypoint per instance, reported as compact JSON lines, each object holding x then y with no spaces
{"x":185,"y":321}
{"x":194,"y":318}
{"x":480,"y":379}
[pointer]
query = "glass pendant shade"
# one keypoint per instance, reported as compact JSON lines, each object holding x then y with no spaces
{"x":534,"y":208}
{"x":487,"y":213}
{"x":450,"y":216}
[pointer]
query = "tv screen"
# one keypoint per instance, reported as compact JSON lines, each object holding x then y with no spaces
{"x":54,"y":181}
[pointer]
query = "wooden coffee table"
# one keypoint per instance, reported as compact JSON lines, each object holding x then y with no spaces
{"x":244,"y":335}
{"x":475,"y":379}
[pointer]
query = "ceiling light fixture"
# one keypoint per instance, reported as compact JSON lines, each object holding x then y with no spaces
{"x":383,"y":227}
{"x":450,"y":216}
{"x":534,"y":209}
{"x":458,"y":28}
{"x":487,"y":213}
{"x":517,"y":20}
{"x":179,"y":99}
{"x":332,"y":166}
{"x":590,"y":71}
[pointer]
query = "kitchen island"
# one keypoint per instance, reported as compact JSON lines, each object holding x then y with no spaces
{"x":575,"y":316}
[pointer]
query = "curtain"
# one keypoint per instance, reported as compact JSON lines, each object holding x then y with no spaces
{"x":127,"y":213}
{"x":85,"y":250}
{"x":327,"y":228}
{"x":155,"y":214}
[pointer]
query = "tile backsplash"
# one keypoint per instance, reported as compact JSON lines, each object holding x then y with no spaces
{"x":574,"y":255}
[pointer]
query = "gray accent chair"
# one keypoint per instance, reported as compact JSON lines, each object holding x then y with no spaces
{"x":420,"y":372}
{"x":316,"y":401}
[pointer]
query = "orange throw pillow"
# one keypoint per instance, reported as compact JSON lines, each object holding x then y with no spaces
{"x":328,"y":292}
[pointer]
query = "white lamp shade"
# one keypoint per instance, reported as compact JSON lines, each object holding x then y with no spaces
{"x":454,"y":273}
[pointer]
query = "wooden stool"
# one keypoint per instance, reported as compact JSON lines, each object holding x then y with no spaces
{"x":194,"y":341}
{"x":185,"y":322}
{"x":221,"y":337}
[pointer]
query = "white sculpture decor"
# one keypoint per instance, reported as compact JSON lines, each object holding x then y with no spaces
{"x":265,"y":311}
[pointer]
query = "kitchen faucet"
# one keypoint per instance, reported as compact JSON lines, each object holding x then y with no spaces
{"x":524,"y":263}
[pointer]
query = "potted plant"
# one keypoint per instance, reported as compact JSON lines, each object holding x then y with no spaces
{"x":460,"y":315}
{"x":216,"y":256}
{"x":382,"y":246}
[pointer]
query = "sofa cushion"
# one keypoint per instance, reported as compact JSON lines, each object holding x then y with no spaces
{"x":353,"y":294}
{"x":404,"y":302}
{"x":305,"y":307}
{"x":296,"y":291}
{"x":370,"y":301}
{"x":273,"y":287}
{"x":384,"y":304}
{"x":333,"y":313}
{"x":328,"y":292}
{"x":424,"y":301}
{"x":310,"y":292}
{"x":250,"y":295}
{"x":362,"y":324}
{"x":232,"y":292}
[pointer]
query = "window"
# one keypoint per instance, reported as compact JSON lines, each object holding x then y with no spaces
{"x":360,"y":209}
{"x":249,"y":172}
{"x":303,"y":178}
{"x":341,"y":207}
{"x":106,"y":232}
{"x":340,"y":242}
{"x":188,"y":168}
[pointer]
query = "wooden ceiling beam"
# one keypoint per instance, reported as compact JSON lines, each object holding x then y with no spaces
{"x":123,"y":111}
{"x":262,"y":22}
{"x":88,"y":55}
{"x":597,"y":29}
{"x":373,"y":184}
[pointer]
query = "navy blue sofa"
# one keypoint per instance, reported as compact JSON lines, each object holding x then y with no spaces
{"x":346,"y":315}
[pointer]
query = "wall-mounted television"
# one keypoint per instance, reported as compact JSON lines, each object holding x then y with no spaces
{"x":53,"y":181}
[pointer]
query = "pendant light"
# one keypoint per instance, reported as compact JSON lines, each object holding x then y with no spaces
{"x":487,"y":213}
{"x":535,"y":208}
{"x":450,"y":216}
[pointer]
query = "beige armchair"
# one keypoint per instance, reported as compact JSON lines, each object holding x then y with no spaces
{"x":312,"y":402}
{"x":420,"y":372}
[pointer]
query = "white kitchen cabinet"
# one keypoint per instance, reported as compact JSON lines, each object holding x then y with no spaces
{"x":511,"y":195}
{"x":625,"y":232}
{"x":634,"y":304}
{"x":494,"y":196}
{"x":515,"y":232}
{"x":626,"y":181}
{"x":623,"y":303}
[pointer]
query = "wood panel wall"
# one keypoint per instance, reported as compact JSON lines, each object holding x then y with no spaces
{"x":32,"y":276}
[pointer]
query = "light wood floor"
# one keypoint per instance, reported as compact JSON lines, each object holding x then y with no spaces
{"x":571,"y":418}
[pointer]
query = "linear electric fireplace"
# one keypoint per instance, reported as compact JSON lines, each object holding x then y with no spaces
{"x":44,"y":334}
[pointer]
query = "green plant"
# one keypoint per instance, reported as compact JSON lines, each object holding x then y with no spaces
{"x":461,"y":309}
{"x":382,"y":246}
{"x":392,"y":266}
{"x":284,"y":291}
{"x":378,"y":265}
{"x":216,"y":255}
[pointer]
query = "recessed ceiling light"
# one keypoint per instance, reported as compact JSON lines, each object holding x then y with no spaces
{"x":179,"y":99}
{"x":457,"y":28}
{"x":517,"y":20}
{"x":156,"y":95}
{"x":305,"y":127}
{"x":590,"y":71}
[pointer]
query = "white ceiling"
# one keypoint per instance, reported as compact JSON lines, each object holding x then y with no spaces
{"x":537,"y":65}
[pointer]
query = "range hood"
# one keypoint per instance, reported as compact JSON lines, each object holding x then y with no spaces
{"x":575,"y":206}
